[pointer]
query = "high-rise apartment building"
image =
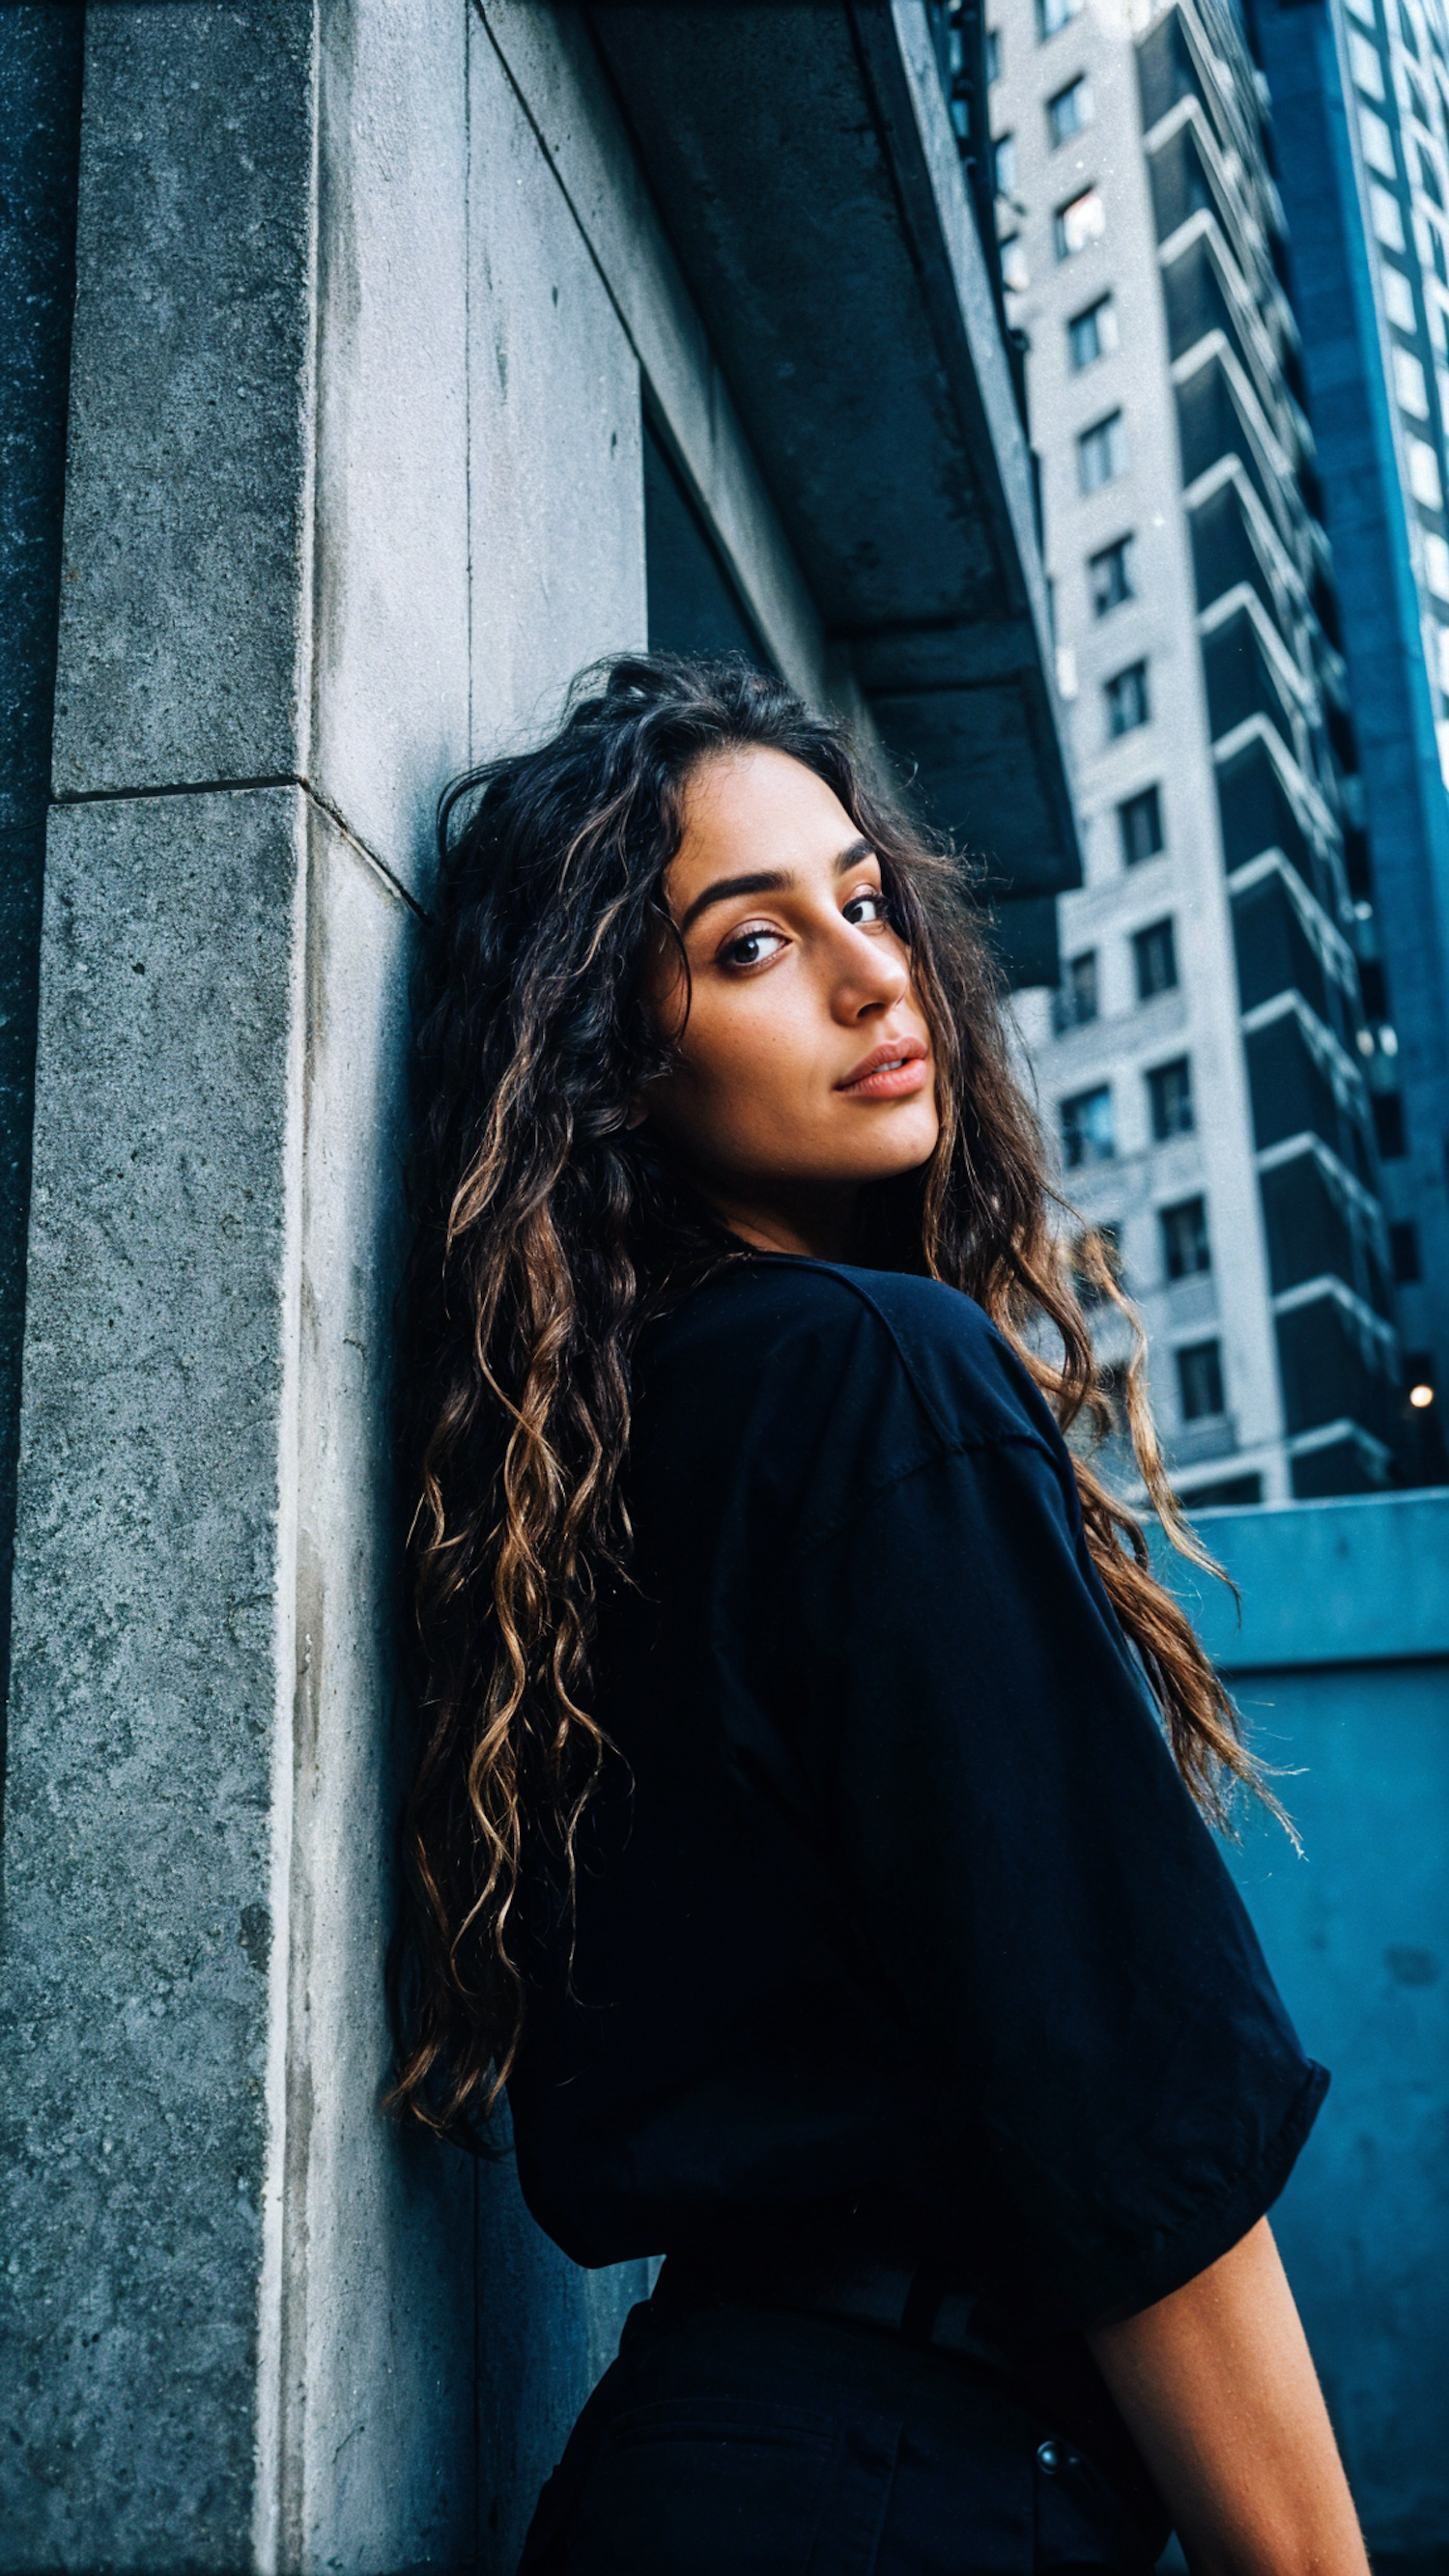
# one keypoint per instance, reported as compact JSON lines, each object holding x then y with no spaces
{"x":1359,"y":123}
{"x":1203,"y":1058}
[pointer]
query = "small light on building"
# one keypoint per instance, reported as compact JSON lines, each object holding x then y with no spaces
{"x":1388,"y":1040}
{"x":1419,"y":1396}
{"x":1365,"y":1041}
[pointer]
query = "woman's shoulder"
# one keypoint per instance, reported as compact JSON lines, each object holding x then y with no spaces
{"x":879,"y":1343}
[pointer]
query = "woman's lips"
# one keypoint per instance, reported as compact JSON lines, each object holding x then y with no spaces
{"x":889,"y":1072}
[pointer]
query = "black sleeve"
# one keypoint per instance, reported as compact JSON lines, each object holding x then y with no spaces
{"x":1039,"y":1893}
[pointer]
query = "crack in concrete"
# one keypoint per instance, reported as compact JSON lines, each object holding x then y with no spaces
{"x":241,"y":786}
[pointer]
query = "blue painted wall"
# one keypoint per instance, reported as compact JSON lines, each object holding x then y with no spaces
{"x":1341,"y":1668}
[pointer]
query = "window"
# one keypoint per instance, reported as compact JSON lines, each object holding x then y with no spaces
{"x":1101,"y":452}
{"x":993,"y":53}
{"x":1052,"y":14}
{"x":1378,"y":144}
{"x":1398,"y":299}
{"x":1409,"y":384}
{"x":1070,"y":111}
{"x":1428,"y":176}
{"x":1014,"y":270}
{"x":1404,"y":1254}
{"x":1087,"y":1128}
{"x":1406,"y":32}
{"x":1418,"y":104}
{"x":1003,"y":163}
{"x":1424,"y":473}
{"x":1140,"y":823}
{"x":1388,"y":1109}
{"x":1365,"y":65}
{"x":1126,"y":697}
{"x":1111,"y":577}
{"x":1200,"y":1380}
{"x":1387,"y":216}
{"x":1091,"y":334}
{"x":1169,"y":1094}
{"x":1185,"y":1249}
{"x":1154,"y":953}
{"x":1081,"y":222}
{"x":1075,"y":1002}
{"x":1436,"y":253}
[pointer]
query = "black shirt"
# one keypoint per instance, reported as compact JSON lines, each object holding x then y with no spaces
{"x":892,"y":1915}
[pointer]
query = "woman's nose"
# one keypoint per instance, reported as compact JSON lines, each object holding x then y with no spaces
{"x":870,"y":976}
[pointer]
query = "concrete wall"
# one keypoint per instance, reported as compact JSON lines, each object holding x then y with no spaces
{"x":40,"y":85}
{"x":1341,"y":1669}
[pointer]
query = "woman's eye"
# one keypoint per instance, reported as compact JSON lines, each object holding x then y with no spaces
{"x":751,"y":947}
{"x":869,"y":905}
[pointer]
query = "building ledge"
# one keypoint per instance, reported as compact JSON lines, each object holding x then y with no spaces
{"x":808,"y":177}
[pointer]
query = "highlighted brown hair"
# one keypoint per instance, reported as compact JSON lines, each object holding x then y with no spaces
{"x":547,"y":1229}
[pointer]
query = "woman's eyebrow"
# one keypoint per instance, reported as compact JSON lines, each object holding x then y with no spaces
{"x":724,"y":889}
{"x":765,"y":881}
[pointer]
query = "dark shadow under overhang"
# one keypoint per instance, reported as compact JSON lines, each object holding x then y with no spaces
{"x":807,"y":174}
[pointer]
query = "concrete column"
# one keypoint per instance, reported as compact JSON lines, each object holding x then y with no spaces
{"x":242,"y":2312}
{"x":40,"y":68}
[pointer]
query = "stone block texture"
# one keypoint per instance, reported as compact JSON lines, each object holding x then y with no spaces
{"x":143,"y":1708}
{"x":185,"y":595}
{"x":40,"y":94}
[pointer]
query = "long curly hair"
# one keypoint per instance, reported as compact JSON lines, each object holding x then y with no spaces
{"x":548,"y":1228}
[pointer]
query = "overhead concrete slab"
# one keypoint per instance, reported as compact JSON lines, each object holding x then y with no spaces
{"x":808,"y":178}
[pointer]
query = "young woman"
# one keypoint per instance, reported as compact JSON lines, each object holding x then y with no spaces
{"x":807,"y":1828}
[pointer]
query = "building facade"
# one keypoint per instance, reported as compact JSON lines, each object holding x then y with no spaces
{"x":1203,"y":1058}
{"x":1360,"y":134}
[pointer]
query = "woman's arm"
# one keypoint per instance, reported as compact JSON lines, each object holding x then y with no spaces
{"x":1218,"y":2388}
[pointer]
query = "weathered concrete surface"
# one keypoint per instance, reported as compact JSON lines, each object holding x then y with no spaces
{"x":40,"y":68}
{"x":557,"y":519}
{"x":138,"y":1833}
{"x":389,"y":674}
{"x":186,"y":584}
{"x":1341,"y":1668}
{"x":1358,"y":1933}
{"x":366,"y":2433}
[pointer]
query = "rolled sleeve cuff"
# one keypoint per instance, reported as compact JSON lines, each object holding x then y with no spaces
{"x":1166,"y":2260}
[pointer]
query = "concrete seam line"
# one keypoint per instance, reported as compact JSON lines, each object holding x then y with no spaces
{"x":245,"y":786}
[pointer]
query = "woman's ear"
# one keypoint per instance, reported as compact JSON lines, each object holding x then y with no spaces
{"x":637,"y":1115}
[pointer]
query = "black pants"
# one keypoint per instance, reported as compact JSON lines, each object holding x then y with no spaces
{"x":742,"y":2441}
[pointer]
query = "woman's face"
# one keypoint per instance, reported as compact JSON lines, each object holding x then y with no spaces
{"x":804,"y":1070}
